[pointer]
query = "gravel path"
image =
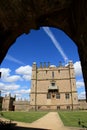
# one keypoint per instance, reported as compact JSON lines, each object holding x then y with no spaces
{"x":50,"y":121}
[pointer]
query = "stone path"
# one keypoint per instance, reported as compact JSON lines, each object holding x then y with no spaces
{"x":50,"y":121}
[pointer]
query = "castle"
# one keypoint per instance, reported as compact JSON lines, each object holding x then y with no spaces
{"x":52,"y":88}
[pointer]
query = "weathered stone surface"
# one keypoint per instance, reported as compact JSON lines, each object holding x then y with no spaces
{"x":20,"y":16}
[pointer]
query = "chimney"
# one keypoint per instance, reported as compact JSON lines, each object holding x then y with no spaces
{"x":34,"y":66}
{"x":40,"y":64}
{"x":60,"y":63}
{"x":48,"y":64}
{"x":44,"y":64}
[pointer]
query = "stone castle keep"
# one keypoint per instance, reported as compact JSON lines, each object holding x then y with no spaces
{"x":52,"y":88}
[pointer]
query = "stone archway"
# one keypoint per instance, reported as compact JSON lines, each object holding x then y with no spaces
{"x":20,"y":16}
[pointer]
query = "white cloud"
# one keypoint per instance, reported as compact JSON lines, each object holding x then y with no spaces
{"x":12,"y":87}
{"x":5,"y":72}
{"x":82,"y":95}
{"x":8,"y":87}
{"x":78,"y":68}
{"x":80,"y":84}
{"x":13,"y":78}
{"x":8,"y":81}
{"x":27,"y":77}
{"x":25,"y":71}
{"x":1,"y":86}
{"x":22,"y":94}
{"x":22,"y":91}
{"x":5,"y":75}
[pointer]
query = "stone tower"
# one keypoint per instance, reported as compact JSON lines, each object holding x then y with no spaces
{"x":53,"y":87}
{"x":7,"y":103}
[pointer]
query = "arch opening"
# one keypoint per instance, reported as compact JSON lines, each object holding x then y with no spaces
{"x":39,"y":51}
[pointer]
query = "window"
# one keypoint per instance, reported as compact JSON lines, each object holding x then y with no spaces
{"x":58,"y":95}
{"x":58,"y":107}
{"x":52,"y":74}
{"x":48,"y":96}
{"x":39,"y":107}
{"x":67,"y":96}
{"x":53,"y":84}
{"x":53,"y":95}
{"x":58,"y":71}
{"x":68,"y":107}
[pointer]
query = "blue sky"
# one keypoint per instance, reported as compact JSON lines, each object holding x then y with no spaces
{"x":44,"y":45}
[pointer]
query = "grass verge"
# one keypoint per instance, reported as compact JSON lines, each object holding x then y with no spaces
{"x":71,"y":118}
{"x":27,"y":117}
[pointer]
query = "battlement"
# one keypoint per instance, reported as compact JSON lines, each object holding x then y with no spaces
{"x":48,"y":71}
{"x":49,"y":65}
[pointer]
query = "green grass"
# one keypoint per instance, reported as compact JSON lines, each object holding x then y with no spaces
{"x":27,"y":117}
{"x":71,"y":118}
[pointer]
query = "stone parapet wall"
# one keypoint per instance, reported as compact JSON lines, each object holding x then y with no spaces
{"x":21,"y":105}
{"x":82,"y":104}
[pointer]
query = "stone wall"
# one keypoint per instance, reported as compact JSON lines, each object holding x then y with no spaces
{"x":21,"y":105}
{"x":7,"y":103}
{"x":82,"y":104}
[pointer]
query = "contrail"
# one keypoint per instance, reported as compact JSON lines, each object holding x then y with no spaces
{"x":11,"y":58}
{"x":55,"y":42}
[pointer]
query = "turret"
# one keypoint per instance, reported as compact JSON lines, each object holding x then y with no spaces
{"x":71,"y":64}
{"x":34,"y":66}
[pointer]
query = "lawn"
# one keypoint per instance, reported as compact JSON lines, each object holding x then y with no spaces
{"x":27,"y":117}
{"x":71,"y":118}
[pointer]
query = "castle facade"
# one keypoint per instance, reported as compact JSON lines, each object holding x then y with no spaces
{"x":53,"y":87}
